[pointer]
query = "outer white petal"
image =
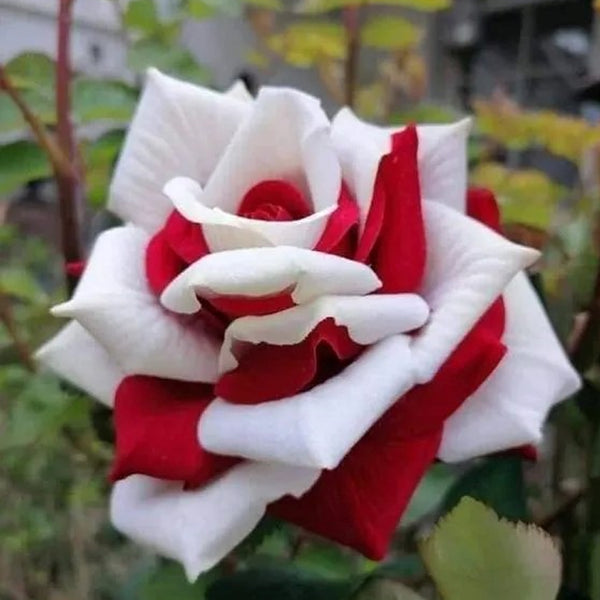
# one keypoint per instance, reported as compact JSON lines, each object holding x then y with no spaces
{"x":318,"y":427}
{"x":239,"y":91}
{"x":76,"y":356}
{"x":368,"y":320}
{"x":113,"y":302}
{"x":200,"y":527}
{"x":178,"y":129}
{"x":509,"y":409}
{"x":286,"y":137}
{"x":255,"y":272}
{"x":226,"y":231}
{"x":468,"y":267}
{"x":442,"y":158}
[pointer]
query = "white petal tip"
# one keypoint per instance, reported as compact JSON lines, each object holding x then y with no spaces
{"x":63,"y":310}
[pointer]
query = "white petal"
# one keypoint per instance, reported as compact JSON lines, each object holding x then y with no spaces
{"x":226,"y":231}
{"x":318,"y":427}
{"x":74,"y":355}
{"x":239,"y":91}
{"x":360,"y":147}
{"x":368,"y":319}
{"x":442,"y":158}
{"x":510,"y":408}
{"x":255,"y":272}
{"x":443,"y":163}
{"x":468,"y":267}
{"x":200,"y":527}
{"x":113,"y":302}
{"x":286,"y":137}
{"x":178,"y":129}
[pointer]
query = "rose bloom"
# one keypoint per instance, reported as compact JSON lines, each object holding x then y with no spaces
{"x":298,"y":317}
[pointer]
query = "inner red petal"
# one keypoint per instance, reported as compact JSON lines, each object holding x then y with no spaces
{"x":274,"y":200}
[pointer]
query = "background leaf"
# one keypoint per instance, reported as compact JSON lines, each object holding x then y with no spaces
{"x":20,"y":163}
{"x":498,"y":483}
{"x":390,"y":33}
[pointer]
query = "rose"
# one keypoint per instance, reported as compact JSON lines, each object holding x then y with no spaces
{"x":299,"y":317}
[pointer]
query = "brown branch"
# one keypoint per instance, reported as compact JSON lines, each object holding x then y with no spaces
{"x":352,"y":19}
{"x":68,"y":183}
{"x":55,"y":155}
{"x":20,"y":345}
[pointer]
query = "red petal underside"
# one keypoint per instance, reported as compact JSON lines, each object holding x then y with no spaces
{"x":267,"y":372}
{"x":185,"y":238}
{"x":162,"y":263}
{"x":242,"y":306}
{"x":360,"y":503}
{"x":339,"y":237}
{"x":274,"y":200}
{"x":482,"y":205}
{"x":393,"y":240}
{"x":156,"y":422}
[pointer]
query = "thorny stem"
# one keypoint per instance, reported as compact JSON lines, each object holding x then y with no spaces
{"x":352,"y":18}
{"x":68,"y":183}
{"x":7,"y":319}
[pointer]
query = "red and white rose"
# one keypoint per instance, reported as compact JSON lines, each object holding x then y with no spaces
{"x":299,"y":317}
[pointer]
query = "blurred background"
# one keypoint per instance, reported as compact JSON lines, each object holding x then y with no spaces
{"x":529,"y":71}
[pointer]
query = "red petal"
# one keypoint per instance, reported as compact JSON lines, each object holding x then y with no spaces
{"x":394,"y":235}
{"x":482,"y":205}
{"x":156,"y":429}
{"x":340,"y":231}
{"x":242,"y":306}
{"x":274,"y":200}
{"x":269,"y":372}
{"x":360,"y":503}
{"x":185,"y":238}
{"x":162,"y":264}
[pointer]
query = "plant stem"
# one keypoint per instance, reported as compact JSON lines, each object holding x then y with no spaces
{"x":68,"y":183}
{"x":352,"y":19}
{"x":55,"y":155}
{"x":7,"y":319}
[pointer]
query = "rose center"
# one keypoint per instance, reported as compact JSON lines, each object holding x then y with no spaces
{"x":274,"y":200}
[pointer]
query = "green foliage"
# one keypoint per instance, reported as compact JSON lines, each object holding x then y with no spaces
{"x":278,"y":584}
{"x":390,"y":33}
{"x":21,"y":162}
{"x":386,"y":590}
{"x":100,"y":157}
{"x":303,"y":44}
{"x":496,"y":482}
{"x":318,"y":6}
{"x":472,"y":554}
{"x":98,"y":100}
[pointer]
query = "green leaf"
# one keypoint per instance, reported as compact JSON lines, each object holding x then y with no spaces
{"x":320,"y":6}
{"x":20,"y":283}
{"x":169,"y":582}
{"x":303,"y":44}
{"x":268,"y":4}
{"x":390,"y":33}
{"x":198,"y":9}
{"x":424,"y":113}
{"x":100,"y":157}
{"x":497,"y":482}
{"x":280,"y":584}
{"x":32,"y":70}
{"x":33,"y":75}
{"x":473,"y":554}
{"x":95,"y":100}
{"x":432,"y":489}
{"x":169,"y":58}
{"x":141,"y":15}
{"x":20,"y":163}
{"x":380,"y":589}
